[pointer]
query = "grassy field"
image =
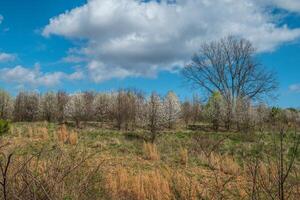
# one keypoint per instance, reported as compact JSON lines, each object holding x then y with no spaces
{"x":58,"y":162}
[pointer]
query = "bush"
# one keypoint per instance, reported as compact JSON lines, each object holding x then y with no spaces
{"x":4,"y":127}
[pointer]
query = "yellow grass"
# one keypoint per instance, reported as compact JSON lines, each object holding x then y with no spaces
{"x":150,"y":151}
{"x":159,"y":184}
{"x":30,"y":132}
{"x":183,"y":155}
{"x":187,"y":188}
{"x":73,"y":138}
{"x":130,"y":176}
{"x":224,"y":163}
{"x":151,"y":185}
{"x":43,"y":133}
{"x":63,"y":134}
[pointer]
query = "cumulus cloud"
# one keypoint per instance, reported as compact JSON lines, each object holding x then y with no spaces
{"x":4,"y":57}
{"x":135,"y":38}
{"x":294,"y":88}
{"x":34,"y":77}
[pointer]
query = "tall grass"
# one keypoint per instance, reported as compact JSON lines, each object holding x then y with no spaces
{"x":150,"y":151}
{"x":73,"y":138}
{"x":62,"y":134}
{"x":66,"y":136}
{"x":183,"y":155}
{"x":154,"y":185}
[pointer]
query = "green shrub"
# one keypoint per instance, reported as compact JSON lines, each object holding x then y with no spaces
{"x":4,"y":127}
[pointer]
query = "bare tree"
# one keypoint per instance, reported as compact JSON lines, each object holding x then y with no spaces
{"x":62,"y":101}
{"x":229,"y":67}
{"x":186,"y":112}
{"x":102,"y":107}
{"x":126,"y":109}
{"x":6,"y":105}
{"x":261,"y":116}
{"x":130,"y":111}
{"x":26,"y":106}
{"x":243,"y":115}
{"x":135,"y":101}
{"x":120,"y":108}
{"x":196,"y":109}
{"x":154,"y":115}
{"x":49,"y":106}
{"x":88,"y":100}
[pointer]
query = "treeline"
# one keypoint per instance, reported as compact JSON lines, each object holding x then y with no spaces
{"x":129,"y":109}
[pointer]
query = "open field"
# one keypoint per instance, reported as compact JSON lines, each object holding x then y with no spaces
{"x":59,"y":162}
{"x":150,"y":100}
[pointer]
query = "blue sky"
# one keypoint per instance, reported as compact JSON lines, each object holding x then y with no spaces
{"x":103,"y":45}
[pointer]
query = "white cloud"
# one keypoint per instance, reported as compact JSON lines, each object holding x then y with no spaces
{"x":289,"y":5}
{"x":78,"y":75}
{"x":132,"y":38}
{"x":4,"y":57}
{"x":34,"y":77}
{"x":99,"y":72}
{"x":294,"y":88}
{"x":73,"y":59}
{"x":1,"y":19}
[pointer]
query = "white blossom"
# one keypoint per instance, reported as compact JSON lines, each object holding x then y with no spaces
{"x":171,"y":105}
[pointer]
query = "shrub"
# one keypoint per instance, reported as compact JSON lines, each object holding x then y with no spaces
{"x":54,"y":175}
{"x":4,"y":127}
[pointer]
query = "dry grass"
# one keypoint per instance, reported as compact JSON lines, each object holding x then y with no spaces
{"x":223,"y":163}
{"x":227,"y":164}
{"x":43,"y":133}
{"x":185,"y":188}
{"x":62,"y":134}
{"x":155,"y":185}
{"x":183,"y":155}
{"x":65,"y":136}
{"x":125,"y":174}
{"x":150,"y":151}
{"x":160,"y":184}
{"x":73,"y":138}
{"x":30,"y":132}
